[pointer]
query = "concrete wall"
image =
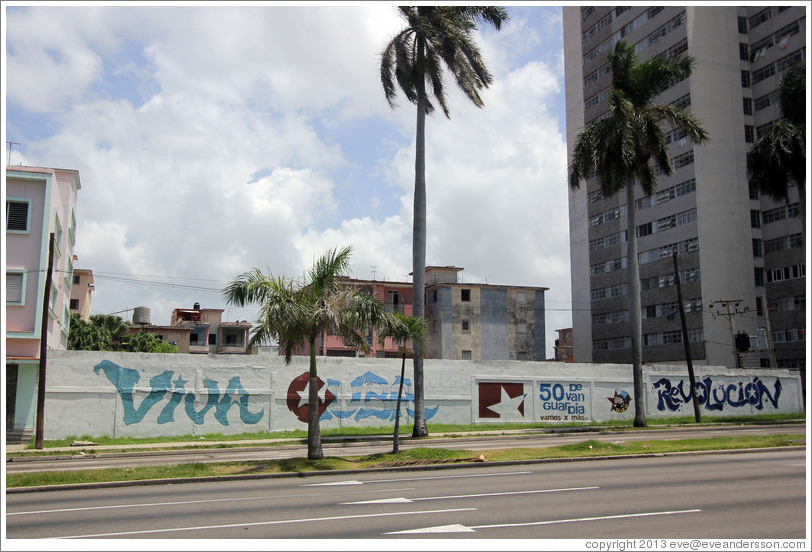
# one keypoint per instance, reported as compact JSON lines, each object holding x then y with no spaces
{"x":132,"y":394}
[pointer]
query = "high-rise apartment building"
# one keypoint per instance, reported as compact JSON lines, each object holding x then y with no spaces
{"x":741,"y":256}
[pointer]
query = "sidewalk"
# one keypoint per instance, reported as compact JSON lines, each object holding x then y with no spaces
{"x":85,"y":446}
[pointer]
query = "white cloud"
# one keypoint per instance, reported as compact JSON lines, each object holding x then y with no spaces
{"x":210,"y":141}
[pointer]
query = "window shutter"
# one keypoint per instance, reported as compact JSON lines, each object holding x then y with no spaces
{"x":14,"y":287}
{"x":16,"y":215}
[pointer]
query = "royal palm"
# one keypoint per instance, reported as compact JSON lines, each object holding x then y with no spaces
{"x":779,"y":156}
{"x":413,"y":61}
{"x":627,"y":147}
{"x":410,"y":330}
{"x":298,"y":314}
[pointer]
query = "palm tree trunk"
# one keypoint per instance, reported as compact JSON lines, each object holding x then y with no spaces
{"x":397,"y":408}
{"x":419,"y":241}
{"x":314,"y":451}
{"x":635,"y":307}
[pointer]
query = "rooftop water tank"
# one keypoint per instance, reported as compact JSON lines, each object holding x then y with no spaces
{"x":141,"y":315}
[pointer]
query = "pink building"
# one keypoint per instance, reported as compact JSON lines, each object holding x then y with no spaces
{"x":396,"y":296}
{"x":209,"y":333}
{"x":39,"y":202}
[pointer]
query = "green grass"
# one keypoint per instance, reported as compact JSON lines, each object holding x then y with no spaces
{"x":424,"y":455}
{"x":406,"y":430}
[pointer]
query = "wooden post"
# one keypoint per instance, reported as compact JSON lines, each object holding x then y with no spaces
{"x":43,"y":348}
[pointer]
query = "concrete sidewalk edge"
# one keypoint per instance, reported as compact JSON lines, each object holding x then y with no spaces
{"x":176,"y":481}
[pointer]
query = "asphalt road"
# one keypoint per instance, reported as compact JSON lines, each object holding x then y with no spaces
{"x":169,"y":457}
{"x":749,"y":495}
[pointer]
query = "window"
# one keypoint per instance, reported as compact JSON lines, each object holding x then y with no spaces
{"x":466,"y":325}
{"x":213,"y":339}
{"x":17,"y":215}
{"x":521,"y":355}
{"x":74,"y":304}
{"x":747,"y":106}
{"x":745,"y":79}
{"x":757,"y":250}
{"x":465,"y":295}
{"x":76,"y":279}
{"x":749,"y":134}
{"x":644,"y":230}
{"x":755,"y":219}
{"x":765,"y":101}
{"x":761,"y":17}
{"x":521,"y":298}
{"x":742,"y":25}
{"x":521,"y":327}
{"x":758,"y":276}
{"x":466,"y":354}
{"x":743,"y":51}
{"x":15,"y":285}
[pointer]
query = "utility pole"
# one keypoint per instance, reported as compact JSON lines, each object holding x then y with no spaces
{"x":43,"y":348}
{"x":686,"y":344}
{"x":769,"y":332}
{"x":732,"y":306}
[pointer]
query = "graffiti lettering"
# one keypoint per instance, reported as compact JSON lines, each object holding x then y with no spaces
{"x":372,"y":388}
{"x":567,"y":398}
{"x":715,"y":396}
{"x":125,"y":380}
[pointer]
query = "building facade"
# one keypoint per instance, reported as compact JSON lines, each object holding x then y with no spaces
{"x":563,"y":345}
{"x":395,"y":296}
{"x":482,"y":321}
{"x":40,"y":202}
{"x":80,"y":293}
{"x":209,"y":334}
{"x":466,"y":321}
{"x":741,"y":257}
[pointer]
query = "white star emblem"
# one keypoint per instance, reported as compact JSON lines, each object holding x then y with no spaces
{"x":304,"y":396}
{"x":507,"y":407}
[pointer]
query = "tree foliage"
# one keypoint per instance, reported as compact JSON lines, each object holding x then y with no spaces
{"x":779,"y":155}
{"x":104,"y":332}
{"x":297,"y":314}
{"x":630,"y":146}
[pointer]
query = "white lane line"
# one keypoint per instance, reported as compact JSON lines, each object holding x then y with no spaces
{"x":473,"y":528}
{"x":257,"y":523}
{"x":178,"y":502}
{"x":400,"y":499}
{"x":351,"y":482}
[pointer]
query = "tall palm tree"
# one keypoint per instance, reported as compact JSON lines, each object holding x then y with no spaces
{"x":297,"y":314}
{"x":779,"y":156}
{"x":624,"y":148}
{"x":413,"y":61}
{"x":410,"y":329}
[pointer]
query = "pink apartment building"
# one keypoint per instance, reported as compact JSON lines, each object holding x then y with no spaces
{"x":39,"y":202}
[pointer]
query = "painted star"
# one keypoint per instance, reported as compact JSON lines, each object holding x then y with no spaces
{"x":304,"y":396}
{"x":180,"y":382}
{"x":508,"y":407}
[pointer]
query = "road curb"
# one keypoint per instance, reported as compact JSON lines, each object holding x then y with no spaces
{"x":471,"y":464}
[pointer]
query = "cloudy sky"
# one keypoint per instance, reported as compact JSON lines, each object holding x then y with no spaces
{"x":213,"y":139}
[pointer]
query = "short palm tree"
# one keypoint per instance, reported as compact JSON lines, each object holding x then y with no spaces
{"x":779,"y":156}
{"x":297,"y":314}
{"x":410,"y":330}
{"x":624,"y":148}
{"x":413,"y":61}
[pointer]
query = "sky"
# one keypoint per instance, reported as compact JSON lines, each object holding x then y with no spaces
{"x":213,"y":139}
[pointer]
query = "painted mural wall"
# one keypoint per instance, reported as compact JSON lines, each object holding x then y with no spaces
{"x":132,"y":394}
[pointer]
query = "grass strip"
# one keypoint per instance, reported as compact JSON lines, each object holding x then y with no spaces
{"x":405,"y":430}
{"x":583,"y":449}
